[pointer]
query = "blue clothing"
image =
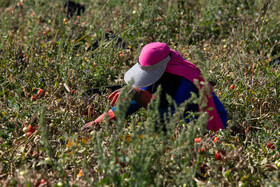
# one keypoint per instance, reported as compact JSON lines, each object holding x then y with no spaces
{"x":221,"y":110}
{"x":183,"y":93}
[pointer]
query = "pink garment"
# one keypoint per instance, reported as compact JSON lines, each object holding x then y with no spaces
{"x":153,"y":53}
{"x":179,"y":66}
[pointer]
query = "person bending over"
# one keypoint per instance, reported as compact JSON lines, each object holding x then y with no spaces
{"x":159,"y":65}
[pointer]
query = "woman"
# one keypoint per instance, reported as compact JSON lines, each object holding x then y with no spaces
{"x":160,"y":65}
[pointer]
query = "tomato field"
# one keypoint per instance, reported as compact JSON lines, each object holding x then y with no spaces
{"x":58,"y":60}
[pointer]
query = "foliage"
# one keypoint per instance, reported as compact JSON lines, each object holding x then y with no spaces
{"x":231,"y":41}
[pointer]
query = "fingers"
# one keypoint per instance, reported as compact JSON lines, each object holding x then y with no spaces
{"x":112,"y":95}
{"x":88,"y":126}
{"x":115,"y":99}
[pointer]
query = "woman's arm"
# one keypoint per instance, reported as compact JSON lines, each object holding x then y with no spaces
{"x":134,"y":105}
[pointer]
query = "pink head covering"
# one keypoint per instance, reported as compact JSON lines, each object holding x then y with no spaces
{"x":153,"y":53}
{"x":151,"y":65}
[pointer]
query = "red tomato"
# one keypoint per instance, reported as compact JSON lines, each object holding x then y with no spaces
{"x":34,"y":153}
{"x":30,"y":128}
{"x":218,"y":156}
{"x":197,"y":140}
{"x":216,"y":139}
{"x":43,"y":181}
{"x":202,"y":150}
{"x":270,"y":145}
{"x":41,"y":93}
{"x":249,"y":128}
{"x":28,"y":134}
{"x":232,"y":86}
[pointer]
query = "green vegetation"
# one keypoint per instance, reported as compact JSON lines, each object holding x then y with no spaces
{"x":231,"y":41}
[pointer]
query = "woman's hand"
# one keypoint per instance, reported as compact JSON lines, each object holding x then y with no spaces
{"x":89,"y":126}
{"x":96,"y":123}
{"x":114,"y":96}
